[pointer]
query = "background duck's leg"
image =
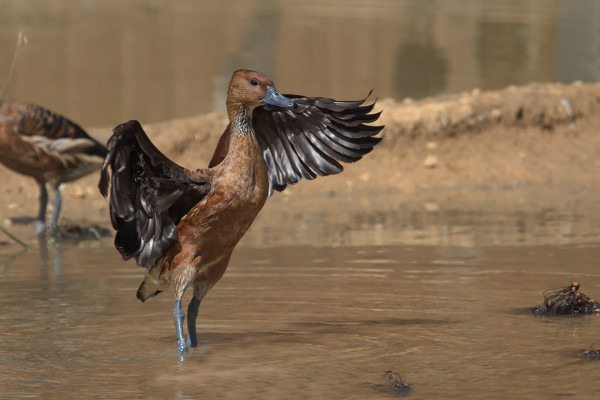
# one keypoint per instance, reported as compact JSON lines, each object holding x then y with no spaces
{"x":40,"y":223}
{"x":56,"y":203}
{"x":179,"y":316}
{"x":191,"y":322}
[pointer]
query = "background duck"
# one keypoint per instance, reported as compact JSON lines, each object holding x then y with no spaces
{"x":47,"y":147}
{"x":182,"y":225}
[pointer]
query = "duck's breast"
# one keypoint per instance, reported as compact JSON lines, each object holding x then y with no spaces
{"x":240,"y":189}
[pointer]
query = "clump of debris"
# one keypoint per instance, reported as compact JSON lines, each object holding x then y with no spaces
{"x":566,"y":301}
{"x":397,"y":384}
{"x":394,"y":385}
{"x":591,"y":355}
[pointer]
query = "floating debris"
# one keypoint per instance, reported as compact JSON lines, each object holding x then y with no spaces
{"x":591,"y":355}
{"x":394,"y":385}
{"x":566,"y":301}
{"x":397,"y":384}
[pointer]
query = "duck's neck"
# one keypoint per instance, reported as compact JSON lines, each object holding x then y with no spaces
{"x":245,"y":168}
{"x":243,"y":145}
{"x":241,"y":119}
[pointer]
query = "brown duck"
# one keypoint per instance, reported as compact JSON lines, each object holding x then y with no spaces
{"x":47,"y":147}
{"x":182,"y":225}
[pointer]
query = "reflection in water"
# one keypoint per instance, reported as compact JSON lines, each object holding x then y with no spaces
{"x":94,"y":61}
{"x":9,"y":257}
{"x":433,"y":69}
{"x":515,"y":52}
{"x":420,"y":52}
{"x":385,"y":221}
{"x":57,"y":267}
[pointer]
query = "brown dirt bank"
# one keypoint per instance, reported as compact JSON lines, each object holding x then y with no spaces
{"x":519,"y":149}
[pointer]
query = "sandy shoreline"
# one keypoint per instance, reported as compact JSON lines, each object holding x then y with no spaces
{"x":519,"y":149}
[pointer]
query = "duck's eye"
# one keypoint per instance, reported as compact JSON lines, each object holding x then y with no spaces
{"x":254,"y":82}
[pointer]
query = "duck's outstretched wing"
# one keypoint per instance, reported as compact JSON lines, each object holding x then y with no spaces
{"x":311,"y":139}
{"x":149,"y":194}
{"x":34,"y":121}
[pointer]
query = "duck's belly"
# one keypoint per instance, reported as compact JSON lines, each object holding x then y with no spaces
{"x":230,"y":225}
{"x":219,"y":221}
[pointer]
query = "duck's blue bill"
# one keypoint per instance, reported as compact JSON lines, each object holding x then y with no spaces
{"x":277,"y":99}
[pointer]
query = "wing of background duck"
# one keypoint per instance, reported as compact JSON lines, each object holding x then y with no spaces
{"x":312,"y":138}
{"x":149,"y":194}
{"x":42,"y":127}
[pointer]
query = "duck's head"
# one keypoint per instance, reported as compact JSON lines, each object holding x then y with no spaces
{"x":251,"y":89}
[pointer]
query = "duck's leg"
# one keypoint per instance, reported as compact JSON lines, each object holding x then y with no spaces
{"x":40,"y":222}
{"x":202,"y":285}
{"x":191,"y":322}
{"x":179,"y":316}
{"x":56,"y":203}
{"x":186,"y":276}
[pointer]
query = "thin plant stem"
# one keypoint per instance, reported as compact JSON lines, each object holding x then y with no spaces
{"x":13,"y":237}
{"x":20,"y":40}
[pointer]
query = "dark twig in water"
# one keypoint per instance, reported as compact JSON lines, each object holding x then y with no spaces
{"x":591,"y":355}
{"x":566,"y":301}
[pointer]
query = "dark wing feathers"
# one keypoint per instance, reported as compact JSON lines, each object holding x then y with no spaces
{"x":149,"y":195}
{"x":312,"y":138}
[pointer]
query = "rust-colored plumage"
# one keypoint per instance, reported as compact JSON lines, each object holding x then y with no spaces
{"x":183,"y":225}
{"x":47,"y":147}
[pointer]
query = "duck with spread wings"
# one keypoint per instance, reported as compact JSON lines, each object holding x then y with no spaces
{"x":182,"y":225}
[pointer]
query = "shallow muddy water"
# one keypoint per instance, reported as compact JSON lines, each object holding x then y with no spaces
{"x":301,"y":322}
